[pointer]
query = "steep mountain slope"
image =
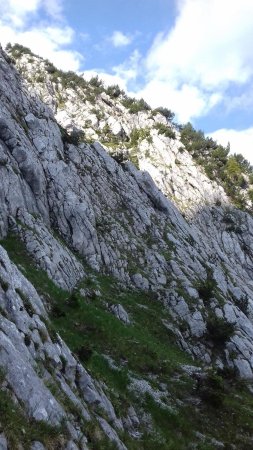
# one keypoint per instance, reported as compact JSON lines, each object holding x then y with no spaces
{"x":146,"y":301}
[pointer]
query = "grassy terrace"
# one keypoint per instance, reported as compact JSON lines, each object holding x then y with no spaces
{"x":145,"y":349}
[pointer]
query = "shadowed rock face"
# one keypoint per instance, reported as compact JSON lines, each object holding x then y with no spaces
{"x":76,"y":207}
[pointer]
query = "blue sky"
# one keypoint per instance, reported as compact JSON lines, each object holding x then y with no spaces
{"x":192,"y":56}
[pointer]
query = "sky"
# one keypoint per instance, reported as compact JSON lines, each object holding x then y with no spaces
{"x":192,"y":56}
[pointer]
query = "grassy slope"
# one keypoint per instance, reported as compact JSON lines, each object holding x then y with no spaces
{"x":222,"y":409}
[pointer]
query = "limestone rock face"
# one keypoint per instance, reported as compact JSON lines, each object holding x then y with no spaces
{"x":161,"y":229}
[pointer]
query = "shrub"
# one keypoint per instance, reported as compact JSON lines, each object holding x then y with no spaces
{"x":96,"y":82}
{"x":50,"y":68}
{"x":18,"y":50}
{"x":242,"y":303}
{"x":40,"y":78}
{"x":167,"y":113}
{"x":75,"y":138}
{"x":250,"y":194}
{"x":139,"y":134}
{"x":27,"y":340}
{"x":233,"y":172}
{"x":114,"y":91}
{"x":219,"y":330}
{"x":4,"y":285}
{"x":206,"y":288}
{"x":134,"y":105}
{"x":85,"y":353}
{"x":165,"y":130}
{"x":212,"y":389}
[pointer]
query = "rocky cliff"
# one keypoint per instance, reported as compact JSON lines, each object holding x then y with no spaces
{"x":125,"y":275}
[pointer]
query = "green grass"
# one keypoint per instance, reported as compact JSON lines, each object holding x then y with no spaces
{"x":145,"y":345}
{"x":143,"y":348}
{"x":19,"y":430}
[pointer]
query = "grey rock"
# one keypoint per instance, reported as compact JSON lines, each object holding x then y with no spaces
{"x":197,"y":324}
{"x":3,"y":442}
{"x":120,"y":313}
{"x":132,"y":415}
{"x":26,"y":385}
{"x":140,"y":281}
{"x":111,"y":433}
{"x":36,"y":445}
{"x":71,"y":446}
{"x":244,"y":368}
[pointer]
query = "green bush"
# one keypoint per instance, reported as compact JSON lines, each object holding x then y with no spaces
{"x":219,"y":331}
{"x":167,"y":113}
{"x":75,"y":138}
{"x":18,"y":50}
{"x":165,"y":130}
{"x":242,"y":303}
{"x":50,"y":68}
{"x":114,"y":91}
{"x":134,"y":105}
{"x":139,"y":134}
{"x":96,"y":82}
{"x":233,"y":172}
{"x":250,"y":194}
{"x":212,"y":389}
{"x":206,"y":287}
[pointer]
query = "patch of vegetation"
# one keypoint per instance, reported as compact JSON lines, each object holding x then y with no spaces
{"x":206,"y":288}
{"x":18,"y":50}
{"x":233,"y":172}
{"x":81,"y":321}
{"x":113,"y":352}
{"x":172,"y":428}
{"x":242,"y":303}
{"x":40,"y":78}
{"x":96,"y":439}
{"x":75,"y":138}
{"x":19,"y":430}
{"x":165,"y":130}
{"x":139,"y":134}
{"x":143,"y":351}
{"x":4,"y":285}
{"x":219,"y":330}
{"x":211,"y":389}
{"x":115,"y":142}
{"x":134,"y":106}
{"x":27,"y":304}
{"x":114,"y":91}
{"x":167,"y":113}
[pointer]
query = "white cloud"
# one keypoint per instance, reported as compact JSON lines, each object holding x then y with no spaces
{"x":190,"y":68}
{"x":15,"y":12}
{"x":122,"y":74}
{"x":54,"y":8}
{"x":240,"y":141}
{"x":187,"y":101}
{"x":129,"y":69}
{"x":207,"y":44}
{"x":48,"y":38}
{"x":46,"y":42}
{"x":120,"y":39}
{"x":108,"y":79}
